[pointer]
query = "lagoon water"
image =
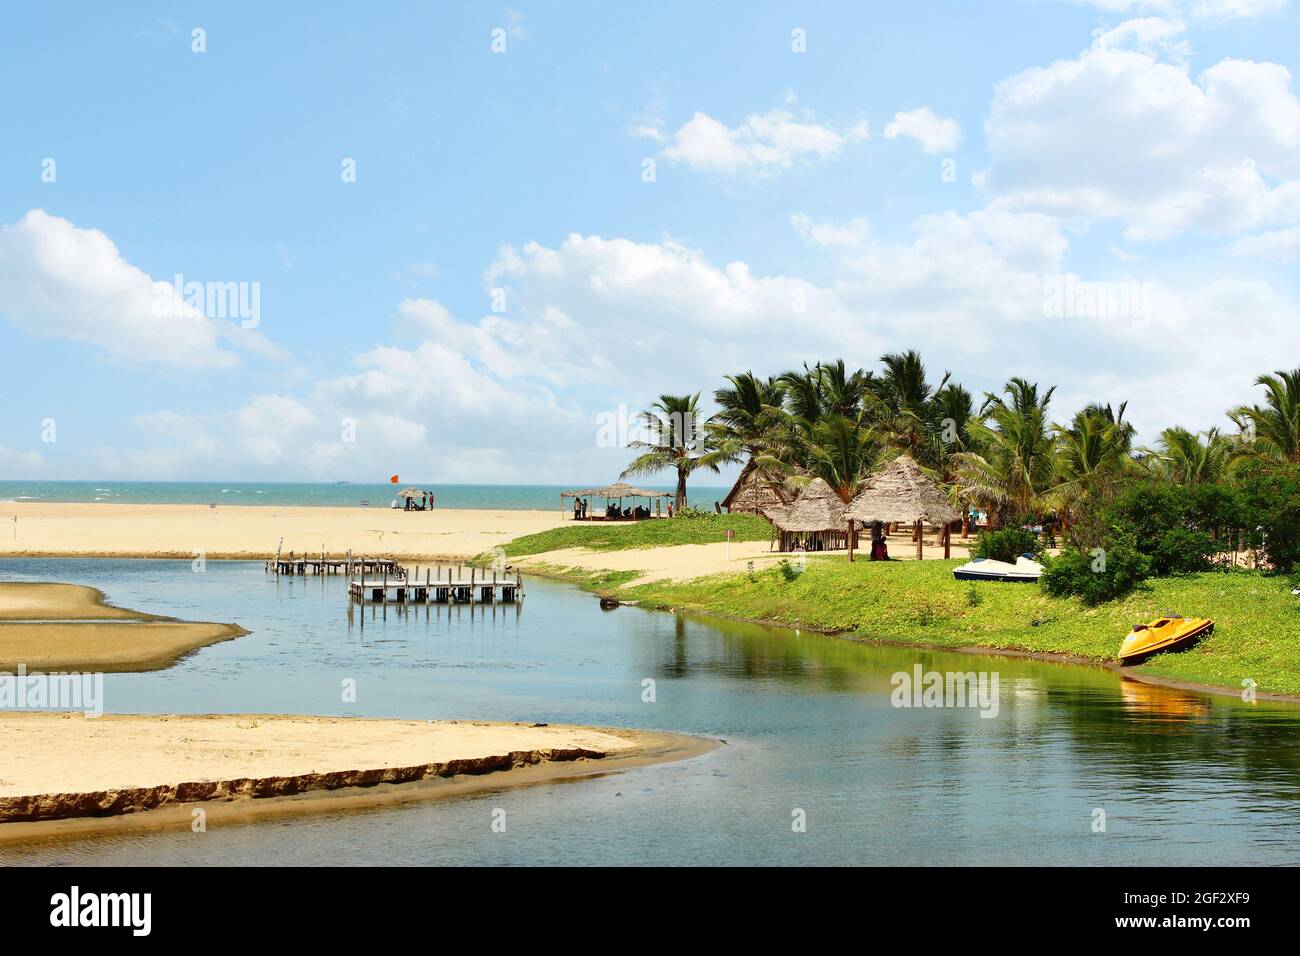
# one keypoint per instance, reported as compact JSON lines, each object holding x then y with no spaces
{"x":1181,"y":778}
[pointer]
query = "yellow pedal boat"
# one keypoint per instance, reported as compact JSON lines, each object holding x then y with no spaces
{"x":1168,"y":633}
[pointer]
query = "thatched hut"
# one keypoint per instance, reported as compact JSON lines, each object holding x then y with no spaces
{"x":614,"y":495}
{"x":756,"y":490}
{"x":814,"y":521}
{"x":903,"y":493}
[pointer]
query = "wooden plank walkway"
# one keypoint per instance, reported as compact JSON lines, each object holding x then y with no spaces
{"x":479,"y":586}
{"x":324,"y":564}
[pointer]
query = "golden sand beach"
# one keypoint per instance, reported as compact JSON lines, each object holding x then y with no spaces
{"x":58,"y":765}
{"x":250,"y":532}
{"x":66,"y":529}
{"x":69,"y":627}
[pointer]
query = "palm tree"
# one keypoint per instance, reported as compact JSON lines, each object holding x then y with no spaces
{"x":842,"y":451}
{"x":1182,"y":457}
{"x":803,"y":392}
{"x":904,"y":409}
{"x":748,"y":426}
{"x":828,"y":390}
{"x":1090,"y":455}
{"x":1015,"y":466}
{"x":748,"y":416}
{"x":1276,"y":428}
{"x":952,"y":412}
{"x":675,"y":442}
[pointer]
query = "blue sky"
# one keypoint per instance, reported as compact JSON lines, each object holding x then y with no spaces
{"x":921,"y":175}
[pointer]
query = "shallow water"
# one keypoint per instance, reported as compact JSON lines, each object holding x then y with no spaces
{"x":1182,"y":778}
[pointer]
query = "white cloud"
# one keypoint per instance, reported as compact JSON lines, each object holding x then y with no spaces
{"x":1278,"y":245}
{"x":597,"y":323}
{"x":515,"y":25}
{"x":1196,"y":9}
{"x":851,"y":233}
{"x":60,"y":281}
{"x":764,"y":144}
{"x":1122,"y":133}
{"x":936,"y":134}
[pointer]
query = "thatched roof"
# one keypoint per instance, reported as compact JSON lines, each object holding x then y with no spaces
{"x":756,"y":490}
{"x":619,"y":489}
{"x":902,"y":492}
{"x":411,"y":493}
{"x":818,"y":508}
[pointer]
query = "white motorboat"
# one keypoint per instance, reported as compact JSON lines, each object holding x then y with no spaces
{"x":986,"y":569}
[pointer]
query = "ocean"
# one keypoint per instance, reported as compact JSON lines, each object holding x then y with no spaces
{"x":313,"y":494}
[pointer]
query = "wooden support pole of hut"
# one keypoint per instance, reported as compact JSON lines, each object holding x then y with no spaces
{"x":853,"y":540}
{"x":965,"y":521}
{"x":947,"y":541}
{"x":919,"y":547}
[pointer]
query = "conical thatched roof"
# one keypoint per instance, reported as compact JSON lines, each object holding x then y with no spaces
{"x":619,"y":489}
{"x":818,"y":508}
{"x":902,"y":492}
{"x":756,"y":491}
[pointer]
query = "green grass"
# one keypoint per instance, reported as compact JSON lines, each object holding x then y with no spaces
{"x":1257,"y":619}
{"x":602,"y":582}
{"x":653,"y":533}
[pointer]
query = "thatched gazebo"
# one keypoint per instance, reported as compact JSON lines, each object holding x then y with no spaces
{"x":611,"y":493}
{"x":814,"y":521}
{"x":903,"y":493}
{"x":756,"y":490}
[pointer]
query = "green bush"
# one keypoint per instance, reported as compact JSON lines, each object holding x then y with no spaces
{"x":1097,"y":576}
{"x":1184,"y":528}
{"x":1271,"y":497}
{"x":1180,"y":528}
{"x":1006,"y":544}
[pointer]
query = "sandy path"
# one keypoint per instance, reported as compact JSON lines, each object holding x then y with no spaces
{"x":686,"y":561}
{"x":178,"y":531}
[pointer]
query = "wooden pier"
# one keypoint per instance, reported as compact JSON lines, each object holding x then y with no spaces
{"x":455,"y":586}
{"x":324,"y":564}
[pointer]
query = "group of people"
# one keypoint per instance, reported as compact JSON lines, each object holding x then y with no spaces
{"x":612,"y":512}
{"x":426,"y":502}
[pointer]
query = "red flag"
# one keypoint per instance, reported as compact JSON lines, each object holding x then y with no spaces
{"x":393,"y":479}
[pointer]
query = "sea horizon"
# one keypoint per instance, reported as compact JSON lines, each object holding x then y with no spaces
{"x":472,"y":497}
